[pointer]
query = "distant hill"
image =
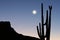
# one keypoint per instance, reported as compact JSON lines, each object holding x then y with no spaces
{"x":8,"y":33}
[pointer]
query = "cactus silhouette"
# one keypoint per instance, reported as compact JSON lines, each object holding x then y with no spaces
{"x":40,"y":28}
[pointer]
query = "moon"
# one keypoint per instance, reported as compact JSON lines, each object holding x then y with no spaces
{"x":34,"y":12}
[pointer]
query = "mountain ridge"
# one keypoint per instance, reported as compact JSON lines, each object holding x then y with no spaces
{"x":8,"y":33}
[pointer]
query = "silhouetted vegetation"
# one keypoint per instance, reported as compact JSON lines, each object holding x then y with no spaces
{"x":41,"y":33}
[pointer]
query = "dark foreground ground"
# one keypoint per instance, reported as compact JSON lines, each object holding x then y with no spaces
{"x":8,"y":33}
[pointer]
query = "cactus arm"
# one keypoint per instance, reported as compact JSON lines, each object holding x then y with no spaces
{"x":46,"y":23}
{"x":38,"y":32}
{"x":40,"y":29}
{"x":50,"y":8}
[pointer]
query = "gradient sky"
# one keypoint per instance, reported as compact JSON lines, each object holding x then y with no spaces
{"x":19,"y":13}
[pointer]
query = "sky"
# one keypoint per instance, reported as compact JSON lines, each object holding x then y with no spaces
{"x":19,"y":13}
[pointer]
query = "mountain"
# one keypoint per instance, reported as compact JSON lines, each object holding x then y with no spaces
{"x":8,"y":33}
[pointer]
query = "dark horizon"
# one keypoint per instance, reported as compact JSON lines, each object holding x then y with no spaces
{"x":8,"y":33}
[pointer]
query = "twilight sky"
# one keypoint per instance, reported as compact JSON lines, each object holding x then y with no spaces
{"x":19,"y":13}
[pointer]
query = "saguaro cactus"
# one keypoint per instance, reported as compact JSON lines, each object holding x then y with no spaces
{"x":40,"y":29}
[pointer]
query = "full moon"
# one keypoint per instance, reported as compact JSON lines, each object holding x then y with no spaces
{"x":34,"y":12}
